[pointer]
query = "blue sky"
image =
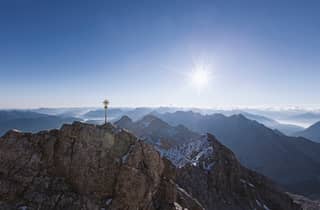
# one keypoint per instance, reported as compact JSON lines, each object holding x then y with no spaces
{"x":140,"y":53}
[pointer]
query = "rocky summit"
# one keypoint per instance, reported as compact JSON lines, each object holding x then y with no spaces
{"x":83,"y":166}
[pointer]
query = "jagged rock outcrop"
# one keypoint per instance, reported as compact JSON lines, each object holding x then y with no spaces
{"x":83,"y":166}
{"x":227,"y":185}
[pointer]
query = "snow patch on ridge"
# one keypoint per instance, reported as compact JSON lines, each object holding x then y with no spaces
{"x":197,"y":153}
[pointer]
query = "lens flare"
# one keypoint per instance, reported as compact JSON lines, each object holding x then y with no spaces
{"x":199,"y":77}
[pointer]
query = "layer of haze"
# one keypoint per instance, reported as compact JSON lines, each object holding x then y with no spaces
{"x":140,"y":53}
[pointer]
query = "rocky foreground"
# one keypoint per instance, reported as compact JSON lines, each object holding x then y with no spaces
{"x":83,"y":166}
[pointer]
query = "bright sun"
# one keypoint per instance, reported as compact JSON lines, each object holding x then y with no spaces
{"x":199,"y":78}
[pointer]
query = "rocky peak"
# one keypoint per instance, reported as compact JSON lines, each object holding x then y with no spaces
{"x":124,"y":121}
{"x":153,"y":122}
{"x":83,"y":166}
{"x":227,"y":185}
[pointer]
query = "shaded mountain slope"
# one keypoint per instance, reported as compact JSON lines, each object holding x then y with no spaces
{"x":213,"y":185}
{"x":312,"y":132}
{"x":287,"y":129}
{"x":292,"y":162}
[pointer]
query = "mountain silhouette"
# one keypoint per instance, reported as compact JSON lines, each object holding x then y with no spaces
{"x":30,"y":121}
{"x":312,"y":132}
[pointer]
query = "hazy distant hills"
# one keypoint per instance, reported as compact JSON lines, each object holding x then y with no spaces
{"x":96,"y":116}
{"x":287,"y":129}
{"x":312,"y":132}
{"x":293,"y":162}
{"x":15,"y":114}
{"x":307,"y":118}
{"x":99,"y":113}
{"x":117,"y":113}
{"x":30,"y":121}
{"x":65,"y":112}
{"x":267,"y":117}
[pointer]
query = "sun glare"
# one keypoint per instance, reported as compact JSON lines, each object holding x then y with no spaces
{"x":199,"y":77}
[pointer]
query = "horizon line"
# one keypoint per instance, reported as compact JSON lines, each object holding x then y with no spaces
{"x":226,"y":108}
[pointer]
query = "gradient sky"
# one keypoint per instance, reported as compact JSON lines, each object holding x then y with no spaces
{"x":139,"y":53}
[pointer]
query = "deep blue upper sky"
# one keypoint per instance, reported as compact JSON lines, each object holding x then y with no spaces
{"x":138,"y":53}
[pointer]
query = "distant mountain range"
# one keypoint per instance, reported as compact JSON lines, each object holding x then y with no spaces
{"x":312,"y":132}
{"x":65,"y":112}
{"x":99,"y":113}
{"x":288,"y":122}
{"x":116,"y":113}
{"x":292,"y":162}
{"x":30,"y":121}
{"x":96,"y":116}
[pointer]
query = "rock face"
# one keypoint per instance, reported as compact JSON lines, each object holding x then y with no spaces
{"x":220,"y":182}
{"x":83,"y":166}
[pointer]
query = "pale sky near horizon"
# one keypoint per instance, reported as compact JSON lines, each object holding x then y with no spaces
{"x":142,"y":53}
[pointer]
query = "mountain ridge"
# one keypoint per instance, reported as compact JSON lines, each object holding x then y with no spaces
{"x":93,"y":167}
{"x":293,"y":162}
{"x":312,"y":132}
{"x":31,"y":121}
